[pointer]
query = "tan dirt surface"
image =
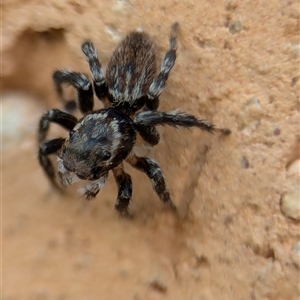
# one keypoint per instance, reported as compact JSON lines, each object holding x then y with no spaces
{"x":237,"y":234}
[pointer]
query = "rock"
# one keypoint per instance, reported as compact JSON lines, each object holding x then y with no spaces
{"x":294,"y":168}
{"x":236,"y":27}
{"x":290,"y":204}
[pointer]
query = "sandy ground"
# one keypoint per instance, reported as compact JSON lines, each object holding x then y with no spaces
{"x":237,"y":234}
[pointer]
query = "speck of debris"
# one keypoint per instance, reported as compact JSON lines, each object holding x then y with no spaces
{"x":250,"y":114}
{"x":227,"y":45}
{"x":228,"y":220}
{"x":253,"y":102}
{"x":276,"y":131}
{"x":294,"y":80}
{"x":236,"y":27}
{"x":265,"y":251}
{"x":231,"y":6}
{"x":244,"y":162}
{"x":202,"y":261}
{"x":158,"y":286}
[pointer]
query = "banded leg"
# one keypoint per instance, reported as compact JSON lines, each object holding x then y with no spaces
{"x":153,"y":171}
{"x":55,"y":116}
{"x":172,"y":118}
{"x":124,"y":183}
{"x":176,"y":119}
{"x":91,"y":57}
{"x":46,"y":149}
{"x":167,"y":65}
{"x":82,"y":85}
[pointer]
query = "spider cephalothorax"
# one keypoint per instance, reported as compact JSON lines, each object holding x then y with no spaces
{"x":103,"y":139}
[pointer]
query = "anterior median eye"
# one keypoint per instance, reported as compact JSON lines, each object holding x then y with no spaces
{"x":103,"y":154}
{"x":106,"y":155}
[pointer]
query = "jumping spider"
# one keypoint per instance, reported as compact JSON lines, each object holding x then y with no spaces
{"x":103,"y":139}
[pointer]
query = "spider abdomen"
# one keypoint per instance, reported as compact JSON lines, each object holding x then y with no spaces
{"x":131,"y":71}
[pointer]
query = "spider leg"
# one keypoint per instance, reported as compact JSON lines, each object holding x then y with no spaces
{"x":149,"y":134}
{"x":167,"y":65}
{"x":172,"y":118}
{"x":46,"y":149}
{"x":91,"y":57}
{"x":176,"y":119}
{"x":55,"y":116}
{"x":124,"y":183}
{"x":92,"y":188}
{"x":153,"y":171}
{"x":82,"y":85}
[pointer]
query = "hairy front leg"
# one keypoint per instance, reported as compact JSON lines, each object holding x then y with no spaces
{"x":176,"y":119}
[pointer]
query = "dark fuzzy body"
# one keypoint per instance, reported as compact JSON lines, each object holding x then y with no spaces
{"x":102,"y":140}
{"x":99,"y":142}
{"x":130,"y":72}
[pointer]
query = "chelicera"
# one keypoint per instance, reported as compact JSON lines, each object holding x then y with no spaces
{"x":103,"y":139}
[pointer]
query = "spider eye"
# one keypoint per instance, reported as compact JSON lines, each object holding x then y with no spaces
{"x":106,"y":155}
{"x":103,"y":154}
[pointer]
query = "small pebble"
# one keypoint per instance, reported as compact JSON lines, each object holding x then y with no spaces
{"x":250,"y":114}
{"x":290,"y":204}
{"x":294,"y":168}
{"x":202,"y":261}
{"x":276,"y":131}
{"x":244,"y":162}
{"x":158,"y":286}
{"x":236,"y":27}
{"x":294,"y":80}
